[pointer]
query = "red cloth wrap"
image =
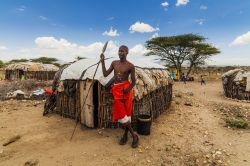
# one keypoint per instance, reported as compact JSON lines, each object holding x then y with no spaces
{"x":123,"y":103}
{"x":48,"y":91}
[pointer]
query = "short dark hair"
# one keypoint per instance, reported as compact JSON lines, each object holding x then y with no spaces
{"x":124,"y":47}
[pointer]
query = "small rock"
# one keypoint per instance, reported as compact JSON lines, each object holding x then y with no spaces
{"x":148,"y":161}
{"x":31,"y":163}
{"x":188,"y":103}
{"x":167,"y":149}
{"x":218,"y":153}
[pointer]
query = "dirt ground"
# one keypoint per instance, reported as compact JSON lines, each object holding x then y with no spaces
{"x":192,"y":132}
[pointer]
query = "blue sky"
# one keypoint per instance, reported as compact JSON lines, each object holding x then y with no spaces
{"x":65,"y":29}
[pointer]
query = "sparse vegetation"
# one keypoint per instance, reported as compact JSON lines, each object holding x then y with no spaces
{"x":1,"y":64}
{"x":190,"y":93}
{"x":237,"y":123}
{"x":178,"y":94}
{"x":45,"y":60}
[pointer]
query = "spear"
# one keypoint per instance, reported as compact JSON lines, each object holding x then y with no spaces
{"x":92,"y":83}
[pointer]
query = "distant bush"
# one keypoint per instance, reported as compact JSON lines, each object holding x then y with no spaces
{"x":178,"y":94}
{"x":237,"y":123}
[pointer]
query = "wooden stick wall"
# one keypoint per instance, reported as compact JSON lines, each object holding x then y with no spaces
{"x":152,"y":104}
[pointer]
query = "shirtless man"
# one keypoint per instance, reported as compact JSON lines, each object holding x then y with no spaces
{"x":122,"y":92}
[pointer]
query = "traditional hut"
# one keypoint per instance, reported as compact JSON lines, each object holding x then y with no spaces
{"x":2,"y":74}
{"x":152,"y":93}
{"x":236,"y":84}
{"x":29,"y":70}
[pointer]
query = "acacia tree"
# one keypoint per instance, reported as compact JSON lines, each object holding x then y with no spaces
{"x":1,"y":64}
{"x":199,"y":54}
{"x":45,"y":60}
{"x":176,"y":50}
{"x":18,"y":60}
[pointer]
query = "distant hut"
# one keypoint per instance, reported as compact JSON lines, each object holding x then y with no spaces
{"x":152,"y":93}
{"x":2,"y":74}
{"x":236,"y":84}
{"x":30,"y":70}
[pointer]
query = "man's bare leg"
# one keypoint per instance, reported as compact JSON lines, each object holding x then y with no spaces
{"x":124,"y":138}
{"x":135,"y":142}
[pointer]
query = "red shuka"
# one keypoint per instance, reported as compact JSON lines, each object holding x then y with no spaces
{"x":122,"y":106}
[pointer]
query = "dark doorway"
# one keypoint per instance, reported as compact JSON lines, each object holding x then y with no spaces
{"x":96,"y":103}
{"x":21,"y":74}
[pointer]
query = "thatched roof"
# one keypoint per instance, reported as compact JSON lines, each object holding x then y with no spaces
{"x":238,"y":76}
{"x":149,"y":76}
{"x":30,"y":66}
{"x":231,"y":72}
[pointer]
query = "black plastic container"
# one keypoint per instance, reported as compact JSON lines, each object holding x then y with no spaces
{"x":144,"y":124}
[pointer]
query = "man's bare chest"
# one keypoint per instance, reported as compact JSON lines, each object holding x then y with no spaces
{"x":121,"y":68}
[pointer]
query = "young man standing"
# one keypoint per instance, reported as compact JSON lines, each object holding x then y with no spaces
{"x":122,"y":92}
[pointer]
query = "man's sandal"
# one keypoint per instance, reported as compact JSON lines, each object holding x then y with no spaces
{"x":135,"y":142}
{"x":123,"y":140}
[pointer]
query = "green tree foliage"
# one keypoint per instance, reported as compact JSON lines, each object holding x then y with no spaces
{"x":57,"y":64}
{"x":176,"y":50}
{"x":45,"y":60}
{"x":1,"y":64}
{"x":17,"y":60}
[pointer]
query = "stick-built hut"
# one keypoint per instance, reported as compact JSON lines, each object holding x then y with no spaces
{"x":30,"y":70}
{"x":152,"y":93}
{"x":2,"y":74}
{"x":236,"y":84}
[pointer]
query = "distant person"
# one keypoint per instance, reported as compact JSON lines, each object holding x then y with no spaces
{"x":202,"y":80}
{"x":184,"y":78}
{"x":171,"y":75}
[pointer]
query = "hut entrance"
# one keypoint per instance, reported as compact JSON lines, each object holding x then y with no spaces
{"x":21,"y":74}
{"x":96,"y":102}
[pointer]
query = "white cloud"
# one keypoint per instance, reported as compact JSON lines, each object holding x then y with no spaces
{"x":67,"y":51}
{"x":64,"y":50}
{"x":155,"y":35}
{"x":111,"y":32}
{"x":242,"y":39}
{"x":200,"y":21}
{"x":53,"y":43}
{"x":203,"y":7}
{"x":111,"y":18}
{"x":3,"y":48}
{"x":43,"y":18}
{"x":181,"y":2}
{"x":228,"y":61}
{"x":138,"y":51}
{"x":165,"y":4}
{"x":142,"y":28}
{"x":21,"y":8}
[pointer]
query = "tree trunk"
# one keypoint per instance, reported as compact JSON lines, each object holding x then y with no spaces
{"x":190,"y":69}
{"x":179,"y":69}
